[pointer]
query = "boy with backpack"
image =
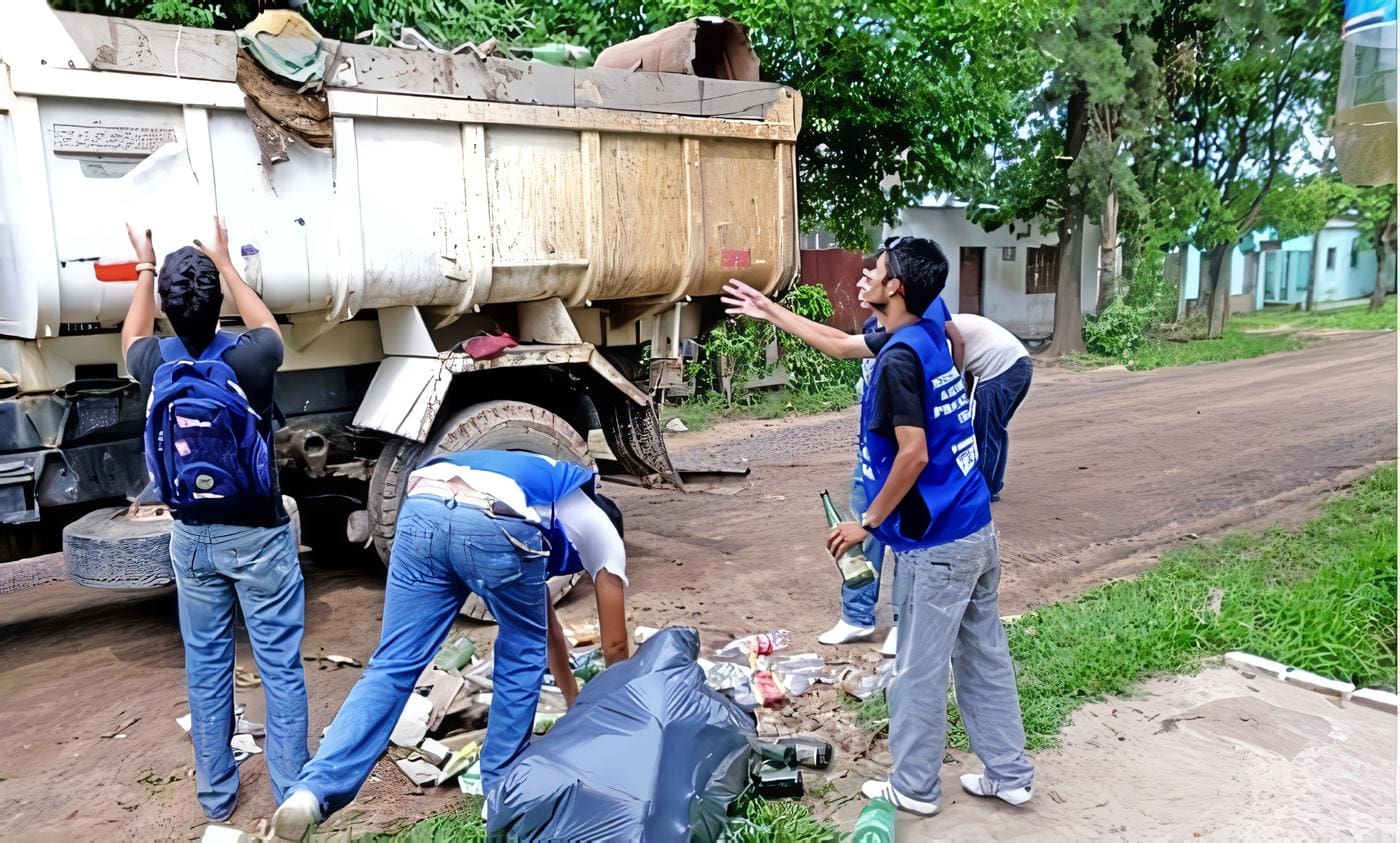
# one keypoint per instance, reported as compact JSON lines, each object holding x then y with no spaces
{"x":209,"y":452}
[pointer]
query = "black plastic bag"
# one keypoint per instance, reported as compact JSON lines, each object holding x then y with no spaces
{"x":648,"y":752}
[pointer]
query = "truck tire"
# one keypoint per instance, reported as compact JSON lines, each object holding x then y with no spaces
{"x":106,"y":549}
{"x":505,"y":425}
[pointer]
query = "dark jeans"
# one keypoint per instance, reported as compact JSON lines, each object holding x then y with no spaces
{"x":997,"y":400}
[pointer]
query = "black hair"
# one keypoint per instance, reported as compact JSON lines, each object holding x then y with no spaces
{"x":190,"y":295}
{"x":610,"y":509}
{"x":921,"y":266}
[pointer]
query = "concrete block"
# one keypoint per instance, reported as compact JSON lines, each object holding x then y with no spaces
{"x":1377,"y":699}
{"x":1321,"y":684}
{"x":1255,"y":665}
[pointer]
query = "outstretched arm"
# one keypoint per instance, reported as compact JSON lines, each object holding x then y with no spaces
{"x":251,"y":308}
{"x":140,"y":318}
{"x":742,"y":300}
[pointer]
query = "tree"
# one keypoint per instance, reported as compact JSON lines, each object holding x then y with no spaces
{"x":1303,"y":208}
{"x":1270,"y":78}
{"x":1103,"y":96}
{"x":1375,"y":207}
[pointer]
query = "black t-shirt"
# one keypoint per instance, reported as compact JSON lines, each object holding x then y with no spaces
{"x":898,"y":401}
{"x":254,"y":360}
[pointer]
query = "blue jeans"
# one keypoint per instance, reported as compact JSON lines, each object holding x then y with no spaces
{"x":858,"y":604}
{"x":255,"y":568}
{"x":443,"y":553}
{"x":997,"y":400}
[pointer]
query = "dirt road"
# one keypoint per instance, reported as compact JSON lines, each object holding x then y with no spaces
{"x":1107,"y":469}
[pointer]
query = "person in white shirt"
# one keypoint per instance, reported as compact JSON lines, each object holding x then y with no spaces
{"x":1002,"y":367}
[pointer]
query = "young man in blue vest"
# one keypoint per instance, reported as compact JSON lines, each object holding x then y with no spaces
{"x":929,"y":503}
{"x":484,"y":522}
{"x":244,"y":554}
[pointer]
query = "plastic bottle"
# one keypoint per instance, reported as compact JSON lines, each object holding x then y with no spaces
{"x":856,"y":570}
{"x":876,"y":823}
{"x":757,"y":645}
{"x":455,"y":654}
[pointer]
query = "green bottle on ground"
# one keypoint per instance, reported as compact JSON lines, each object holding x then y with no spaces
{"x":876,"y":823}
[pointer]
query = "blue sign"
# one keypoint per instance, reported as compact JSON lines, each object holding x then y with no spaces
{"x":1363,"y":15}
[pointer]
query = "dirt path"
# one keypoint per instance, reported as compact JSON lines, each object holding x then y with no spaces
{"x":1107,"y":469}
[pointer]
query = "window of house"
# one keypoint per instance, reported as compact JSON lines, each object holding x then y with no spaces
{"x":1042,"y":269}
{"x":1008,"y":253}
{"x":1332,"y":257}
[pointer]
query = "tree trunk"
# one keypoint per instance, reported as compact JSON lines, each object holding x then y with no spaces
{"x":1069,"y":313}
{"x":1069,"y":316}
{"x":1214,"y":268}
{"x":1108,"y":253}
{"x":1385,"y":246}
{"x":1309,"y":300}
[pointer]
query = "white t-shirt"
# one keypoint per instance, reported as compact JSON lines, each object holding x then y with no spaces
{"x":988,"y":348}
{"x":586,"y":526}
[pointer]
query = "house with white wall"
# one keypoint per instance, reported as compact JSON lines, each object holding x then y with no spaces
{"x":1008,"y":274}
{"x":1266,"y":270}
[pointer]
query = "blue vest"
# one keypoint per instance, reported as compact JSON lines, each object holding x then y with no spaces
{"x":950,"y":485}
{"x":544,"y":484}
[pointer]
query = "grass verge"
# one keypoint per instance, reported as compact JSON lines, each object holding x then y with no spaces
{"x":702,"y":411}
{"x":755,"y":821}
{"x":1321,"y":598}
{"x":1247,"y":335}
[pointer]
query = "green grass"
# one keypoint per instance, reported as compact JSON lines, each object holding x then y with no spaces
{"x":1320,"y":598}
{"x":1354,"y":318}
{"x":1247,"y":335}
{"x":702,"y":411}
{"x":756,"y":821}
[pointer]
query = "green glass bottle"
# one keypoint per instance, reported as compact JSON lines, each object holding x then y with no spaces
{"x":856,"y":570}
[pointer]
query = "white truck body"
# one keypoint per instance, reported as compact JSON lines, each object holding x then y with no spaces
{"x":592,"y":213}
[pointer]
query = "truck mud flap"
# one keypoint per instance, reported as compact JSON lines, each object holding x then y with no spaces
{"x":634,"y":436}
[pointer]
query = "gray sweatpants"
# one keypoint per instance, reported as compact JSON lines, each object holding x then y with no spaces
{"x":948,"y":610}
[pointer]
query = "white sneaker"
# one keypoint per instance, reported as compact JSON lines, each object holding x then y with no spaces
{"x":888,"y":648}
{"x":978,"y":784}
{"x":844,"y":633}
{"x":885,"y":790}
{"x":297,"y":815}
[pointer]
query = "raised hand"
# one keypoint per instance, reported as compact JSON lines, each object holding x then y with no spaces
{"x":218,"y":251}
{"x":144,"y":248}
{"x":742,"y":300}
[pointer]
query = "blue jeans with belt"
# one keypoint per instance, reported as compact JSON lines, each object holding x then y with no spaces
{"x":858,"y":604}
{"x":443,"y":552}
{"x":218,"y":567}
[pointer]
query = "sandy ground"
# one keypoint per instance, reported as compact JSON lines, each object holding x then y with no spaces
{"x":1211,"y":755}
{"x":1107,"y":470}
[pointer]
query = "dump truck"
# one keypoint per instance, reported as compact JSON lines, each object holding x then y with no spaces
{"x":592,"y":214}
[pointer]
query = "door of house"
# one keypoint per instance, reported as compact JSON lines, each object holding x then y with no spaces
{"x":970,"y":279}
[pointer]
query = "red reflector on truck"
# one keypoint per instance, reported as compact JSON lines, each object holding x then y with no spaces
{"x":115,"y":271}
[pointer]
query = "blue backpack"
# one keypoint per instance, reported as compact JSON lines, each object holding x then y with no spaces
{"x":204,"y":450}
